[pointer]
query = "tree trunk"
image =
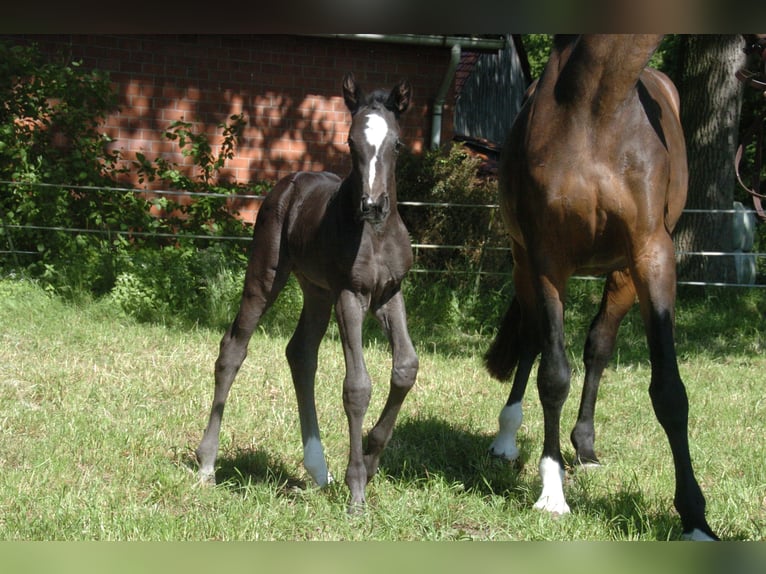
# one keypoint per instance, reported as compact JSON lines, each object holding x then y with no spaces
{"x":711,"y":99}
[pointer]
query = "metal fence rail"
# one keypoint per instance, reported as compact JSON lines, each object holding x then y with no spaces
{"x":8,"y":249}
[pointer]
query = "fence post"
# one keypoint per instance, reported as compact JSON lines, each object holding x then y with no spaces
{"x":7,"y":231}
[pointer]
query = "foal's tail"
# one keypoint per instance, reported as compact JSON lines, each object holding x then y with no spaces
{"x":503,"y":355}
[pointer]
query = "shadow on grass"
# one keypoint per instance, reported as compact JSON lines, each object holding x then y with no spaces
{"x":625,"y":513}
{"x":421,"y":449}
{"x":241,"y":468}
{"x":424,"y":449}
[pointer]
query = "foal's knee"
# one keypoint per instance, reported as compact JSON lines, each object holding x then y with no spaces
{"x":405,"y":371}
{"x":299,"y":358}
{"x":231,"y":355}
{"x":357,"y":391}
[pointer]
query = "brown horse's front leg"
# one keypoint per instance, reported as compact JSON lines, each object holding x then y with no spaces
{"x":357,"y":387}
{"x":656,"y":286}
{"x":553,"y":377}
{"x":619,"y":296}
{"x":393,"y":319}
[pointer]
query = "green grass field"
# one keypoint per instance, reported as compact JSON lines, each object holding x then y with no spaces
{"x":99,"y":417}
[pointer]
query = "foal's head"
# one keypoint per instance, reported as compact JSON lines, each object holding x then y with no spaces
{"x":374,"y":142}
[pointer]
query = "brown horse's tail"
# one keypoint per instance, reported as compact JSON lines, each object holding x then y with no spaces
{"x":503,"y":355}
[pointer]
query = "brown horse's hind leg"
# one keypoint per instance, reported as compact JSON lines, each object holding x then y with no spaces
{"x":263,"y":282}
{"x":393,"y":319}
{"x":516,"y":346}
{"x":619,"y":296}
{"x":655,"y":282}
{"x":517,"y":339}
{"x":301,"y":354}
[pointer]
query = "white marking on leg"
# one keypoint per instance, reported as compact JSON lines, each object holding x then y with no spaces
{"x":509,"y":421}
{"x":314,"y":462}
{"x":375,"y":132}
{"x":552,"y":496}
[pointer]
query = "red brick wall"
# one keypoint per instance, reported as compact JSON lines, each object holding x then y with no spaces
{"x":289,"y":88}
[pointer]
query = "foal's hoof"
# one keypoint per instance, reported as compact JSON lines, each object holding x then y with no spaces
{"x":206,"y":478}
{"x":324,"y":481}
{"x":587,"y":464}
{"x":357,"y":508}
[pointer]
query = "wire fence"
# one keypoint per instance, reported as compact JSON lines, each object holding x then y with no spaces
{"x":756,"y":260}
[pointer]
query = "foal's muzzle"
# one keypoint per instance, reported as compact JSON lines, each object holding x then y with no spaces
{"x":374,"y":211}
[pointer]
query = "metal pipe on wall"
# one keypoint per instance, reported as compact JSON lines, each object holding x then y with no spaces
{"x":456,"y":45}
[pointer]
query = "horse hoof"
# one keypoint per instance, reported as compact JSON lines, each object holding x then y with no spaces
{"x":587,"y":463}
{"x":555,"y":507}
{"x":505,"y":453}
{"x":357,"y":508}
{"x":206,"y":478}
{"x":326,"y":482}
{"x":698,"y":535}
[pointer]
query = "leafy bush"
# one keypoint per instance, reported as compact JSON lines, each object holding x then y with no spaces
{"x":460,"y":218}
{"x":50,"y":142}
{"x":461,"y":287}
{"x":63,"y":178}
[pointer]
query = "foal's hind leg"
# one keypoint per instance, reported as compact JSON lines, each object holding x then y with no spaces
{"x":263,"y":282}
{"x":302,"y":353}
{"x":619,"y":296}
{"x":393,"y":319}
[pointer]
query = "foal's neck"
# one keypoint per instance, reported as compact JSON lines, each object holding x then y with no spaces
{"x":597,"y":72}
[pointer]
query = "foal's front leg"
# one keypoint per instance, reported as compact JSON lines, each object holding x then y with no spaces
{"x":393,"y":319}
{"x":357,"y":387}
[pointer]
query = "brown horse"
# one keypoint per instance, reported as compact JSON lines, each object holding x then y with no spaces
{"x":349,"y":249}
{"x":592,"y":180}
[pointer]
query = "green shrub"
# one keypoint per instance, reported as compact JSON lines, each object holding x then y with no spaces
{"x":459,"y":289}
{"x":466,"y":226}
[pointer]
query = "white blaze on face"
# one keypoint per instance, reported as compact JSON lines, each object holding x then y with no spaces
{"x":375,"y":133}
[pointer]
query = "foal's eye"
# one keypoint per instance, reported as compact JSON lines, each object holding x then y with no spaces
{"x":398,"y":145}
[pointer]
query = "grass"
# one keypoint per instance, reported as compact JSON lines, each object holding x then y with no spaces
{"x":99,"y":417}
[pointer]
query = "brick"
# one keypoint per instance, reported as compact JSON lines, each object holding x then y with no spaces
{"x":284,"y":85}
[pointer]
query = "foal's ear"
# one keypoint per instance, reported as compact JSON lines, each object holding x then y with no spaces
{"x":399,"y":98}
{"x":352,"y":93}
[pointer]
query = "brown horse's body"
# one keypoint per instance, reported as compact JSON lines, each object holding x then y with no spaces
{"x":349,"y":249}
{"x":593,"y":180}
